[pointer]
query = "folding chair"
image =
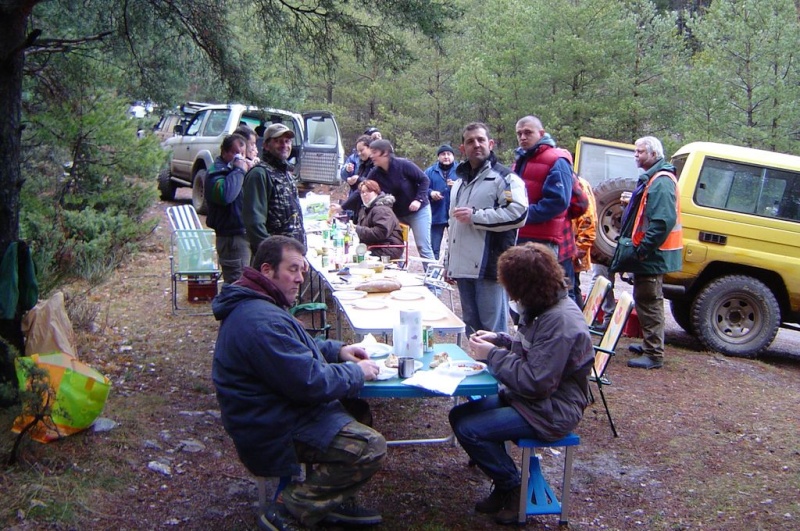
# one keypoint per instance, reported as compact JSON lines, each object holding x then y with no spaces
{"x":184,"y":217}
{"x":593,"y":303}
{"x":402,"y":262}
{"x":606,"y":349}
{"x":193,"y":257}
{"x":318,"y":311}
{"x":434,"y":277}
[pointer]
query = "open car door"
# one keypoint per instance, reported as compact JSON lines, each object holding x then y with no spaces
{"x":322,"y":154}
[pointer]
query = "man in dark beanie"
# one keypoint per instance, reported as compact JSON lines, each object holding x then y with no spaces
{"x":442,"y":175}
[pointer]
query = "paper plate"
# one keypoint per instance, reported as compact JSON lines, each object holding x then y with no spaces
{"x":370,"y":304}
{"x":433,"y":316}
{"x":406,"y":295}
{"x":349,"y":295}
{"x":375,"y":350}
{"x":462,"y":367}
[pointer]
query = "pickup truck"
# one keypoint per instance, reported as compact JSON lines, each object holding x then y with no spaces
{"x":740,"y":210}
{"x":317,"y":153}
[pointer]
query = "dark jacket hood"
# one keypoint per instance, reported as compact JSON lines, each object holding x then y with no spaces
{"x":252,"y":285}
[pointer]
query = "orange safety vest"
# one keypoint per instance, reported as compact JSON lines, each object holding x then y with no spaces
{"x":674,"y":240}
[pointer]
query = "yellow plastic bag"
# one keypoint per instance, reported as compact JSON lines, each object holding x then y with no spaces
{"x":79,"y":394}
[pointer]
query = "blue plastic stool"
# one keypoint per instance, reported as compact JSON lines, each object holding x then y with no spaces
{"x":536,"y":496}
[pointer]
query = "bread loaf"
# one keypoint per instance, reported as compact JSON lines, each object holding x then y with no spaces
{"x":379,"y":286}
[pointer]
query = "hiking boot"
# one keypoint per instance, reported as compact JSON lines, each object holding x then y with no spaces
{"x":495,"y":501}
{"x":636,"y":349}
{"x":348,"y":513}
{"x":277,"y":518}
{"x":645,"y":362}
{"x":510,"y":510}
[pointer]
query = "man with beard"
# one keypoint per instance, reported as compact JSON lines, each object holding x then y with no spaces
{"x":488,"y":204}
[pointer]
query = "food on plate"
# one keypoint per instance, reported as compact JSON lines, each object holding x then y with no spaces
{"x":379,"y":286}
{"x":467,"y":366}
{"x":392,"y":361}
{"x":438,"y":359}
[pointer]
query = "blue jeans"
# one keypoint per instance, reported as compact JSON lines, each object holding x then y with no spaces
{"x":484,"y":305}
{"x":482,"y":427}
{"x":420,"y":223}
{"x":437,"y":234}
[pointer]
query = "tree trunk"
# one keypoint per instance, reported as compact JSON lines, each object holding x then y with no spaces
{"x":13,"y":19}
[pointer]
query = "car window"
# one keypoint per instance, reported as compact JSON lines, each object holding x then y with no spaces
{"x":194,"y":126}
{"x":217,"y":122}
{"x":321,"y":130}
{"x":748,"y":189}
{"x":600,"y":163}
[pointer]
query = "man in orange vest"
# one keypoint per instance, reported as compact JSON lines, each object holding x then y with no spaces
{"x":650,"y":245}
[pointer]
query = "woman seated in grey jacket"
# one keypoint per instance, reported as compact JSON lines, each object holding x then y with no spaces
{"x":377,"y":223}
{"x":542,"y":370}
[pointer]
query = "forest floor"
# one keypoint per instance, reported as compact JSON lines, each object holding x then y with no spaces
{"x":707,"y":442}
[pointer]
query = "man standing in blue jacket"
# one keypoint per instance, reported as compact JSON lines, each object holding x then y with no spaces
{"x":224,"y":192}
{"x":279,"y":393}
{"x":442,"y":174}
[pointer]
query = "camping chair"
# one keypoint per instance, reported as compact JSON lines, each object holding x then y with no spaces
{"x":593,"y":303}
{"x":401,"y":262}
{"x":606,"y":349}
{"x":319,"y":312}
{"x":193,"y":257}
{"x":434,"y":277}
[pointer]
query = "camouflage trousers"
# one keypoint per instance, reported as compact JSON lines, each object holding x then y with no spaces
{"x":336,"y":474}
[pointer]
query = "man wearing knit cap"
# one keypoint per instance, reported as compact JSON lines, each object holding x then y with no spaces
{"x":442,"y":175}
{"x":373,"y":133}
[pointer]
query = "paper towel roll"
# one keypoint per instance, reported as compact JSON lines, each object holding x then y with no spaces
{"x":411,"y":331}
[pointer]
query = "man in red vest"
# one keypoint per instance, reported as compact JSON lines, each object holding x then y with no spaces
{"x":547,"y":173}
{"x":650,"y":244}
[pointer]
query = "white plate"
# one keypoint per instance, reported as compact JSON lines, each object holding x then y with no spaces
{"x":388,"y":372}
{"x":349,"y":295}
{"x":433,"y":316}
{"x":462,"y":367}
{"x":375,"y":350}
{"x":370,"y":304}
{"x":406,"y":295}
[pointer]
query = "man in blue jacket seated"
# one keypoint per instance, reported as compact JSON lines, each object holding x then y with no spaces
{"x":279,"y":392}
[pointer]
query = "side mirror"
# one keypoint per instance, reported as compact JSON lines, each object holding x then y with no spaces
{"x":178,"y":129}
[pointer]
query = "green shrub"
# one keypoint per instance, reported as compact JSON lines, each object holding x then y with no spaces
{"x":81,"y":222}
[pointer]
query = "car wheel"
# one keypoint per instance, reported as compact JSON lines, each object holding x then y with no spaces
{"x":166,"y":187}
{"x":682,"y":313}
{"x":609,"y":217}
{"x":199,"y":192}
{"x":736,"y":315}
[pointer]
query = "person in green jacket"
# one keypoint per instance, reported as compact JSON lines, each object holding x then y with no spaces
{"x":650,"y":244}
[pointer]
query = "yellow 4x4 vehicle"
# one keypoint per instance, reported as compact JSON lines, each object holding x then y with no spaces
{"x":740,"y":279}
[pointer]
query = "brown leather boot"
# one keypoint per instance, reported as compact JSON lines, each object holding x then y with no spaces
{"x":508,"y":514}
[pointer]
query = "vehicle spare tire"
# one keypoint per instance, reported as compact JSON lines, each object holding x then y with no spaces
{"x":609,"y":217}
{"x":199,"y":192}
{"x":166,"y":186}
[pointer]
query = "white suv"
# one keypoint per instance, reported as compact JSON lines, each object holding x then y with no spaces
{"x":317,"y":153}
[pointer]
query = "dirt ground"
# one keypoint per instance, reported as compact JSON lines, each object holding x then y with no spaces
{"x":707,"y":442}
